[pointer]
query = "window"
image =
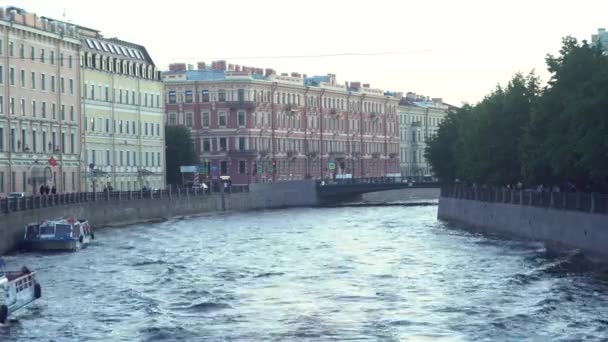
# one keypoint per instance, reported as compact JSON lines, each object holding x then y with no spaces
{"x":23,"y":138}
{"x":54,"y":141}
{"x":126,"y":96}
{"x":44,"y":141}
{"x":12,"y":76}
{"x":12,"y":106}
{"x":33,"y":80}
{"x":92,"y":92}
{"x":32,"y":54}
{"x":172,"y":119}
{"x":206,"y":145}
{"x":10,"y":49}
{"x":128,"y":158}
{"x":107,"y":125}
{"x":63,"y":141}
{"x":44,"y":109}
{"x":242,"y":143}
{"x":224,"y":167}
{"x":158,"y":130}
{"x":33,"y":108}
{"x":72,"y":141}
{"x":22,"y":79}
{"x":42,"y":55}
{"x":120,"y":128}
{"x":34,"y":141}
{"x":120,"y":96}
{"x":70,"y":61}
{"x":242,"y":167}
{"x":108,"y":157}
{"x":12,"y":139}
{"x":188,"y":96}
{"x":206,"y":119}
{"x":222,"y":118}
{"x":63,"y":112}
{"x":147,"y":163}
{"x":53,"y":83}
{"x":121,"y":158}
{"x":172,"y":98}
{"x":1,"y":74}
{"x":241,"y":95}
{"x":158,"y":159}
{"x":189,"y":119}
{"x":52,"y":57}
{"x":205,"y":95}
{"x":146,"y":128}
{"x":152,"y":158}
{"x":43,"y":82}
{"x":1,"y":181}
{"x":54,"y":111}
{"x":2,"y":139}
{"x":1,"y":104}
{"x":61,"y":59}
{"x":221,"y":95}
{"x":223,"y":144}
{"x":22,"y":106}
{"x":157,"y":101}
{"x":241,"y":118}
{"x":72,"y":113}
{"x":107,"y":93}
{"x":128,"y":128}
{"x":133,"y":127}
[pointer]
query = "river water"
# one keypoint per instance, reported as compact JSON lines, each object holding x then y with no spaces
{"x":359,"y":274}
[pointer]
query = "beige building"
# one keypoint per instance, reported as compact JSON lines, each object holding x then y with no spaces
{"x":419,"y":119}
{"x":39,"y":112}
{"x":123,"y":115}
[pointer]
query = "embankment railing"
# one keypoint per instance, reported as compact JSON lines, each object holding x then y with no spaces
{"x":8,"y":205}
{"x":578,"y":201}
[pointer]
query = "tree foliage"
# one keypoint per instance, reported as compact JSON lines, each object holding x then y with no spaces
{"x":539,"y":136}
{"x":180,"y":151}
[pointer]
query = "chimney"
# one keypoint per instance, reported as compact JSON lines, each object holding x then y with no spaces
{"x":201,"y":66}
{"x":190,"y":67}
{"x":237,"y":67}
{"x":365,"y":85}
{"x":177,"y":67}
{"x":269,"y":72}
{"x":220,"y":65}
{"x":230,"y":66}
{"x":355,"y":85}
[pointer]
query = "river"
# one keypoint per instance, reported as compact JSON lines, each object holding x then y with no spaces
{"x":360,"y":274}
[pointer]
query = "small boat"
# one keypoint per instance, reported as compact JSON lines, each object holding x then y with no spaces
{"x":56,"y":235}
{"x":17,"y":290}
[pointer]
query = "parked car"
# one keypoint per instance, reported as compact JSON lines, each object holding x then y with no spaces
{"x":15,"y":195}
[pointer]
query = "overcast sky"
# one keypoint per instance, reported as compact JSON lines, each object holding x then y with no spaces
{"x":454,"y":49}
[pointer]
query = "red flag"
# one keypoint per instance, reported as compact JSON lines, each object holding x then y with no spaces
{"x":52,"y":161}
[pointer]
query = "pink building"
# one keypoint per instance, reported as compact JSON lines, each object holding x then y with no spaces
{"x":39,"y":103}
{"x":256,"y":126}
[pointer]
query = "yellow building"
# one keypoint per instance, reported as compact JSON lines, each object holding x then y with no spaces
{"x":123,"y":134}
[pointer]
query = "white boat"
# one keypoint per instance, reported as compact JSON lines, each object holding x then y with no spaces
{"x":54,"y":235}
{"x":17,"y":290}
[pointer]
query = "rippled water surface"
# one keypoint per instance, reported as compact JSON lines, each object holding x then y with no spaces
{"x":378,"y":274}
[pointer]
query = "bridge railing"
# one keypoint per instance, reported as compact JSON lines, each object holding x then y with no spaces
{"x":577,"y":201}
{"x":363,"y":180}
{"x":8,"y":205}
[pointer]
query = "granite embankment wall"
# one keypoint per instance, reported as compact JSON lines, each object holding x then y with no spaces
{"x":113,"y":212}
{"x":557,"y":227}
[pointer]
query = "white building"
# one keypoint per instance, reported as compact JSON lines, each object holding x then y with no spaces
{"x":419,"y":119}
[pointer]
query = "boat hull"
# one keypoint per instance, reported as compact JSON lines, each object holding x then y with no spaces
{"x":53,"y":245}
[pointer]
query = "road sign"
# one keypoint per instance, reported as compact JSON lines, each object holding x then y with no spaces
{"x":260,"y":169}
{"x":270,"y":168}
{"x":214,"y":172}
{"x":184,"y":169}
{"x":332,"y":166}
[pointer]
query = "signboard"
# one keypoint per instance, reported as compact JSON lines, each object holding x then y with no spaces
{"x":214,"y":172}
{"x":185,"y":169}
{"x":260,"y":169}
{"x":332,"y":166}
{"x":196,"y":178}
{"x":270,"y":168}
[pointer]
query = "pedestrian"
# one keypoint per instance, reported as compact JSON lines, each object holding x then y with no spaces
{"x":42,"y":189}
{"x":54,"y":190}
{"x":47,"y":190}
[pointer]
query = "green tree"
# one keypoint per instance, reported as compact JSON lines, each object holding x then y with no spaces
{"x":180,"y":151}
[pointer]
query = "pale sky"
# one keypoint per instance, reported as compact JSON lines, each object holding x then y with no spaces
{"x":454,"y":49}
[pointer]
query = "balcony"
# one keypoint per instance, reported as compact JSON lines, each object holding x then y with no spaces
{"x":376,"y":155}
{"x":242,"y":153}
{"x":241,"y":104}
{"x":393,"y":155}
{"x":292,"y":154}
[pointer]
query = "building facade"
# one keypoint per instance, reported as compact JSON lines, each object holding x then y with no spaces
{"x":419,"y":119}
{"x":123,"y":140}
{"x":256,"y":126}
{"x":39,"y":103}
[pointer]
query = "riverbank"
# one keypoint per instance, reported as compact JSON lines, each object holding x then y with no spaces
{"x":128,"y":209}
{"x":557,"y":227}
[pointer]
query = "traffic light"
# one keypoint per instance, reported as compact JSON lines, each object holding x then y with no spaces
{"x":254,"y":168}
